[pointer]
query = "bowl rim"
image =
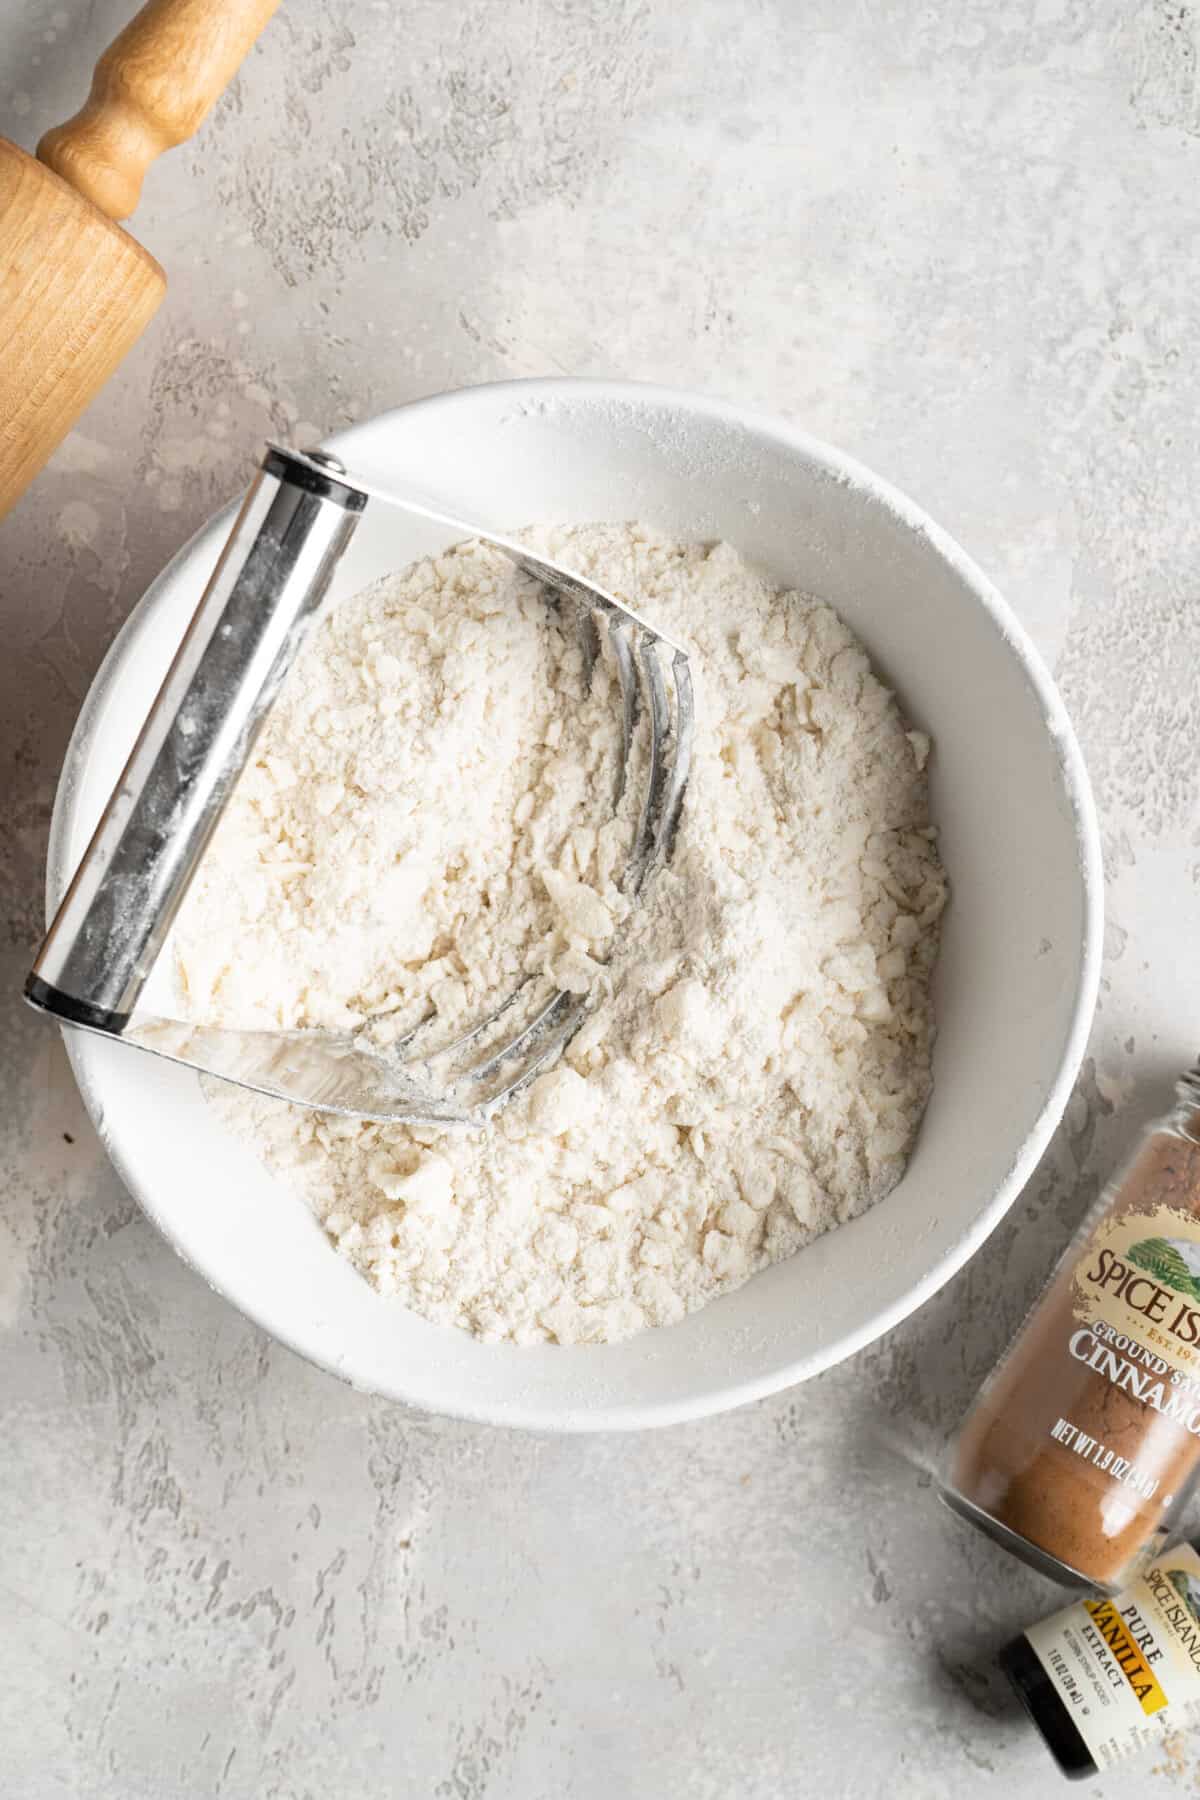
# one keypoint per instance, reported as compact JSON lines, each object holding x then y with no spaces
{"x":630,"y":1415}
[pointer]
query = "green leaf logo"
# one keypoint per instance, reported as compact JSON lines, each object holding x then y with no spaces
{"x":1164,"y":1259}
{"x":1188,"y":1589}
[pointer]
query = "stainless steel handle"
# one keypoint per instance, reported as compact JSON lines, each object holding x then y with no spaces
{"x":273,"y":573}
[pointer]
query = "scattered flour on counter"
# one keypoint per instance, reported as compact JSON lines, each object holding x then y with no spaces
{"x":428,"y":817}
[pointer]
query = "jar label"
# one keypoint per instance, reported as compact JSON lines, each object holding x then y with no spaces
{"x":1128,"y":1669}
{"x":1137,"y":1299}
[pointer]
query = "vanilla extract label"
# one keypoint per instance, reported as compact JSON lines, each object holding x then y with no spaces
{"x":1127,"y":1668}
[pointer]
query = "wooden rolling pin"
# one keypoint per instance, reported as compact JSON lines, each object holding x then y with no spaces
{"x":76,"y":292}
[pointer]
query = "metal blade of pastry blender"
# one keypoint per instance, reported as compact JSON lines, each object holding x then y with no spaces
{"x":549,"y":574}
{"x":272,"y":576}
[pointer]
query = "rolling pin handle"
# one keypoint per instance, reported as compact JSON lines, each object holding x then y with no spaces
{"x":152,"y":89}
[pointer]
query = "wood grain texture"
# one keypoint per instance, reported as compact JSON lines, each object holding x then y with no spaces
{"x":152,"y":88}
{"x":75,"y":289}
{"x":76,"y":292}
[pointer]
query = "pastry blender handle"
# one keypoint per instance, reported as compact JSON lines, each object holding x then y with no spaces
{"x":293,"y":527}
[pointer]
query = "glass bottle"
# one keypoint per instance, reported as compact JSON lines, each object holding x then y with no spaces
{"x":1086,"y":1439}
{"x":1106,"y":1678}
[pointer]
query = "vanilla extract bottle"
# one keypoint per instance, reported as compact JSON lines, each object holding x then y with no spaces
{"x":1106,"y":1678}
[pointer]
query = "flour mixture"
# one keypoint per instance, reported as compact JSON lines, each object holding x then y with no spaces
{"x":429,"y":817}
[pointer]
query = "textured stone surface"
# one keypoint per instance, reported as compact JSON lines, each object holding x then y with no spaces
{"x":958,"y":241}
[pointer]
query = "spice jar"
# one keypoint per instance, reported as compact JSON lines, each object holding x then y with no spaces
{"x":1105,"y":1678}
{"x":1086,"y":1439}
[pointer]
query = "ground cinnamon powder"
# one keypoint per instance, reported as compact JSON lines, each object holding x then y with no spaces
{"x":1088,"y":1434}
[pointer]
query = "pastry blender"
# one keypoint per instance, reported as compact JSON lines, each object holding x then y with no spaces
{"x":268,"y":586}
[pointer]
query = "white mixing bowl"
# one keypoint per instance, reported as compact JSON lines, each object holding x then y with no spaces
{"x":1020,"y":954}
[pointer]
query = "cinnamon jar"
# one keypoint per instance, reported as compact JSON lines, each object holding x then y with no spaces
{"x":1086,"y":1439}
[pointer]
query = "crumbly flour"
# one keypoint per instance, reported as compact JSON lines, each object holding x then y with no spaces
{"x":428,"y":818}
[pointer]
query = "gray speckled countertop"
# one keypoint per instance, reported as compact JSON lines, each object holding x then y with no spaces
{"x":959,"y":242}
